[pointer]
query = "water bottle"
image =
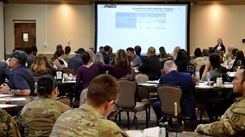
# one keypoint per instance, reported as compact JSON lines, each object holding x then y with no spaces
{"x":162,"y":131}
{"x":208,"y":77}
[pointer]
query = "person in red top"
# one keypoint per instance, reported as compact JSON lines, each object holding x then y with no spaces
{"x":121,"y":67}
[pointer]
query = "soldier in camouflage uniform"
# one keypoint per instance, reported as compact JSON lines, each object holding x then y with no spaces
{"x":38,"y":117}
{"x":233,"y":121}
{"x":89,"y":120}
{"x":199,"y":61}
{"x":8,"y":127}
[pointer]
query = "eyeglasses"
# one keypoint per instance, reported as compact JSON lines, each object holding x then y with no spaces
{"x":116,"y":107}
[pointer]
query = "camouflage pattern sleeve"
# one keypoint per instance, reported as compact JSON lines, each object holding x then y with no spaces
{"x":8,"y":126}
{"x":231,"y":123}
{"x":110,"y":128}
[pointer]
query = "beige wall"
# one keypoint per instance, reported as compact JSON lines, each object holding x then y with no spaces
{"x":58,"y":23}
{"x":209,"y":22}
{"x":55,"y":24}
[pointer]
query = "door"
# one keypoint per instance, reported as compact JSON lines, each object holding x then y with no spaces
{"x":25,"y":35}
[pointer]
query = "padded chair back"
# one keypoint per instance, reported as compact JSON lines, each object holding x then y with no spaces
{"x":169,"y":94}
{"x":69,"y":71}
{"x":141,"y":78}
{"x":190,"y":68}
{"x":130,"y":76}
{"x":127,"y":94}
{"x":83,"y":96}
{"x":65,"y":100}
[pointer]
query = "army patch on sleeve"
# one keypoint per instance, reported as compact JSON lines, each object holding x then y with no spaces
{"x":235,"y":117}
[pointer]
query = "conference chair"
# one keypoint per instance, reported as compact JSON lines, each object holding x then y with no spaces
{"x":169,"y":94}
{"x":65,"y":100}
{"x":126,"y":101}
{"x":83,"y":96}
{"x":143,"y":93}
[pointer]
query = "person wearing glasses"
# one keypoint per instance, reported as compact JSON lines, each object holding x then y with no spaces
{"x":21,"y":81}
{"x":90,"y":119}
{"x":38,"y":117}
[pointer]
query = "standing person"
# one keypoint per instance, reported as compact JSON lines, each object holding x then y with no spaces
{"x":151,"y":65}
{"x":138,"y":51}
{"x":76,"y":61}
{"x":67,"y":53}
{"x":220,"y":45}
{"x":105,"y":54}
{"x":134,"y":60}
{"x":87,"y":72}
{"x":38,"y":117}
{"x":121,"y":67}
{"x":4,"y":72}
{"x":232,"y":121}
{"x":21,"y":82}
{"x":89,"y":120}
{"x":30,"y":56}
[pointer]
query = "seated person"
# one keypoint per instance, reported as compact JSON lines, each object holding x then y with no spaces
{"x":75,"y":62}
{"x":134,"y":60}
{"x":4,"y":72}
{"x":151,"y":65}
{"x":58,"y":59}
{"x":21,"y":81}
{"x":38,"y":117}
{"x":90,"y":119}
{"x":8,"y":126}
{"x":200,"y":59}
{"x":184,"y":81}
{"x":213,"y":67}
{"x":121,"y":67}
{"x":182,"y":60}
{"x":232,"y":122}
{"x":87,"y":72}
{"x":41,"y":66}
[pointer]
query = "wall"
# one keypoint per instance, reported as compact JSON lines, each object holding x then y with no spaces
{"x":210,"y":22}
{"x":55,"y":24}
{"x":59,"y":22}
{"x":1,"y":31}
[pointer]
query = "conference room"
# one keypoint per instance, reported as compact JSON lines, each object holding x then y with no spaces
{"x":91,"y":24}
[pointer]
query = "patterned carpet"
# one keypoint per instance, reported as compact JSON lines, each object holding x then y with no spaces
{"x":153,"y":122}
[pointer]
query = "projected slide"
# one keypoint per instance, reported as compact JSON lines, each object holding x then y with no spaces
{"x":145,"y":25}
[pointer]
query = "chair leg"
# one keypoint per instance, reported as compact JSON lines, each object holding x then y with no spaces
{"x":149,"y":112}
{"x":146,"y":118}
{"x":170,"y":122}
{"x":119,"y":116}
{"x":134,"y":117}
{"x":136,"y":121}
{"x":128,"y":118}
{"x":183,"y":125}
{"x":116,"y":116}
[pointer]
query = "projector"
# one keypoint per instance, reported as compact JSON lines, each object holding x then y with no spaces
{"x":110,"y":6}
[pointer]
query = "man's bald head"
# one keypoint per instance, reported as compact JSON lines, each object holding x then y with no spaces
{"x":151,"y":51}
{"x":169,"y":65}
{"x":90,"y":52}
{"x":230,"y":48}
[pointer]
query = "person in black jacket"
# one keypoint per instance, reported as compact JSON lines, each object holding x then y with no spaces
{"x":151,"y":65}
{"x":220,"y":45}
{"x":182,"y":61}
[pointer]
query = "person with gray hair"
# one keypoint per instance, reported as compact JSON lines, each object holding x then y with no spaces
{"x":98,"y":58}
{"x":151,"y":65}
{"x":230,"y":48}
{"x":184,"y":81}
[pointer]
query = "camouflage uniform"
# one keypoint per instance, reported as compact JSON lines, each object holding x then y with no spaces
{"x":85,"y":122}
{"x":8,"y":127}
{"x":38,"y":117}
{"x":198,"y":62}
{"x":231,"y":123}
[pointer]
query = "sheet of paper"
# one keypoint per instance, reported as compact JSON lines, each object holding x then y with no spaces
{"x":151,"y":132}
{"x":6,"y":106}
{"x":139,"y":135}
{"x":14,"y":99}
{"x":5,"y":95}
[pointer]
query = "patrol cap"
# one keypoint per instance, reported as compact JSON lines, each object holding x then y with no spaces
{"x":20,"y":55}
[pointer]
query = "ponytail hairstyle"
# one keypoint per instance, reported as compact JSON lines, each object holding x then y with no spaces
{"x":46,"y":84}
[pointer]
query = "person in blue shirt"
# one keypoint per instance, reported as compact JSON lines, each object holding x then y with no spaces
{"x":22,"y":80}
{"x":4,"y":72}
{"x":105,"y":54}
{"x":76,"y":61}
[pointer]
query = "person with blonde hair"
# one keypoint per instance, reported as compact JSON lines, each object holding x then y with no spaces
{"x":121,"y":67}
{"x":220,"y":45}
{"x":41,"y":66}
{"x":176,"y":51}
